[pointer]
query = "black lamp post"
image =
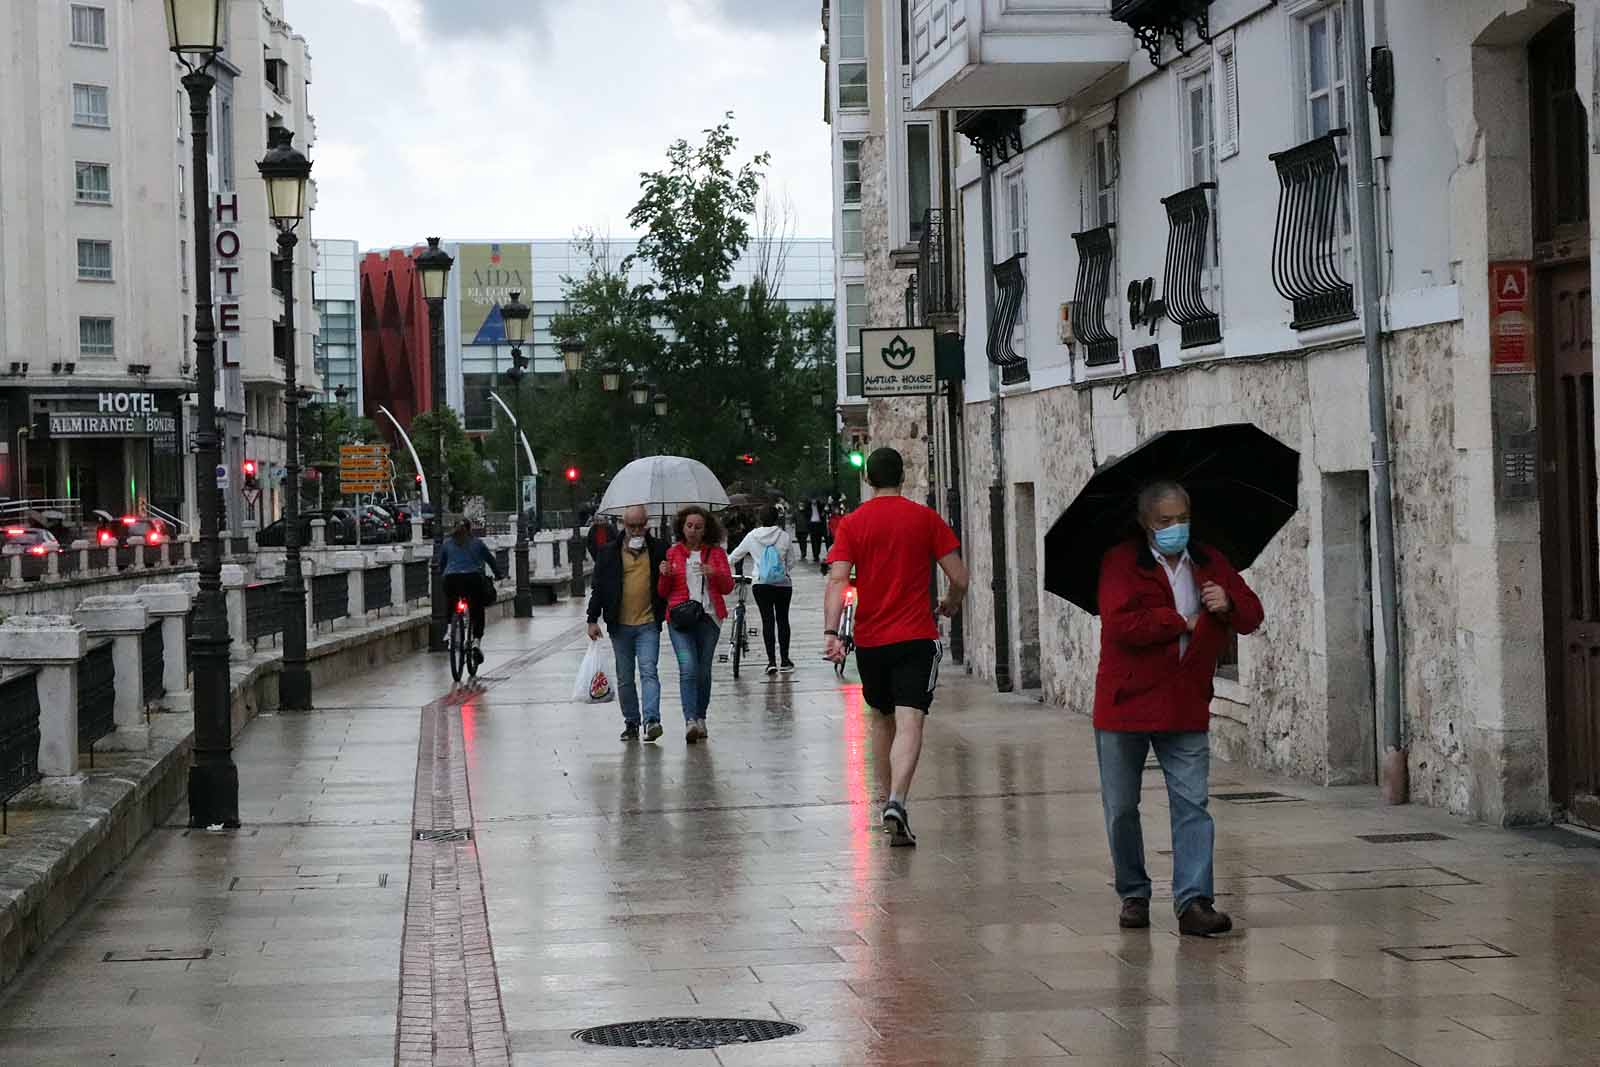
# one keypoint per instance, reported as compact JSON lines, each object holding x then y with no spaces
{"x":434,"y":264}
{"x":515,"y":314}
{"x":194,"y":29}
{"x":286,"y":171}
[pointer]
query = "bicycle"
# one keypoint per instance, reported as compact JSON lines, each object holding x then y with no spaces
{"x":847,"y":630}
{"x":458,"y":639}
{"x":741,"y":632}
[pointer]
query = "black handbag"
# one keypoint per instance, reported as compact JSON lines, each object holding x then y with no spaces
{"x":690,"y":614}
{"x":486,"y":591}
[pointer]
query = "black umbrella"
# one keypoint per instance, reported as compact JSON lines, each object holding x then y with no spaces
{"x":1243,"y":486}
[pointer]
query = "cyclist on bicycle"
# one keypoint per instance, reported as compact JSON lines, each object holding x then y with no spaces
{"x":775,"y":555}
{"x":461,"y":558}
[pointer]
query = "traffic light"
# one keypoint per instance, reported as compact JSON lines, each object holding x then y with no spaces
{"x":419,"y":479}
{"x":857,"y":458}
{"x":572,"y":475}
{"x":249,"y":470}
{"x":749,"y":459}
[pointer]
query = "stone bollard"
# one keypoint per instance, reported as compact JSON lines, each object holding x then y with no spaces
{"x":395,"y":557}
{"x":123,"y":619}
{"x":354,"y":564}
{"x":53,"y":644}
{"x":136,"y":542}
{"x":166,"y":553}
{"x":81,"y":548}
{"x":12,"y":555}
{"x":233,"y":583}
{"x":416,"y":530}
{"x":52,"y":566}
{"x":319,"y":533}
{"x":170,"y":603}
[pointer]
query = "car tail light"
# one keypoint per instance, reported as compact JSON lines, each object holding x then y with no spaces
{"x":15,"y":531}
{"x":107,"y":538}
{"x":37,"y":550}
{"x":129,"y":520}
{"x":153,"y":537}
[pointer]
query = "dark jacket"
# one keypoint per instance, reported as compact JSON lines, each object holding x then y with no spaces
{"x":605,"y":597}
{"x":599,"y":536}
{"x":1143,"y":685}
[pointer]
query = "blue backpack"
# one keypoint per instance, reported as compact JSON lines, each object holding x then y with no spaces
{"x":771,"y":570}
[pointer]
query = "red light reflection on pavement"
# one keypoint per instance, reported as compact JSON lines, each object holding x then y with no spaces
{"x":857,"y":787}
{"x":469,"y":732}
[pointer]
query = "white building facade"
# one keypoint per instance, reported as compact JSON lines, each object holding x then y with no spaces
{"x":1173,"y":242}
{"x":96,"y":298}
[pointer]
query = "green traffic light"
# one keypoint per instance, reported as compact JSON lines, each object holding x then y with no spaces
{"x":857,"y":460}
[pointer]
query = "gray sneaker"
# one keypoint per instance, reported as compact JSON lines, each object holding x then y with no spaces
{"x":652,"y":729}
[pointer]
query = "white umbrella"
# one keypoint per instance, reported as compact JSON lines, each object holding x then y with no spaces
{"x":664,"y":484}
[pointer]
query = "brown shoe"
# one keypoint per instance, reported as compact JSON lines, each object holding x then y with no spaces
{"x":1135,"y":914}
{"x":1200,"y":919}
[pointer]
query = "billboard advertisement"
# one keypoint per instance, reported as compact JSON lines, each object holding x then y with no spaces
{"x":489,"y":273}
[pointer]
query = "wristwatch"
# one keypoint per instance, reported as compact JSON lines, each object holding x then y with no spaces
{"x":830,"y":633}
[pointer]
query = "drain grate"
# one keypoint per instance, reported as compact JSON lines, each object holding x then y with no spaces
{"x":1472,"y":950}
{"x":1256,"y":798}
{"x":157,"y":955}
{"x":444,"y":835}
{"x":685,"y":1033}
{"x":1399,"y":839}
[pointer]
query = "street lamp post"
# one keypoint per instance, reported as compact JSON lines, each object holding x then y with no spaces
{"x":434,"y":265}
{"x":515,"y":315}
{"x":194,"y":36}
{"x":286,"y":171}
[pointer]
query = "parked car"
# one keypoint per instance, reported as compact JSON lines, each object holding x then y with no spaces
{"x":114,"y":532}
{"x":403,"y":513}
{"x":34,"y":540}
{"x":339,"y":529}
{"x":380,"y":522}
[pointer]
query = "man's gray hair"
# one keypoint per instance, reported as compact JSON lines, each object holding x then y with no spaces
{"x":1155,"y":493}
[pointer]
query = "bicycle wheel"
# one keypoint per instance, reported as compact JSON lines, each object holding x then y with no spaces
{"x":456,"y":638}
{"x":738,"y":638}
{"x":471,"y":655}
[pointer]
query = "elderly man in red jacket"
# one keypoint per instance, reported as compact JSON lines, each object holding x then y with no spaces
{"x":1167,"y":609}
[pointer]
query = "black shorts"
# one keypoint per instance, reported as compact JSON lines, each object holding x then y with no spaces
{"x":902,"y":675}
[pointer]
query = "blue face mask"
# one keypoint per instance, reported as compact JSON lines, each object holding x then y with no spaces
{"x":1172,"y":540}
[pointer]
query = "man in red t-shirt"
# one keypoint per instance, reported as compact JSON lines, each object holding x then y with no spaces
{"x":893,"y":544}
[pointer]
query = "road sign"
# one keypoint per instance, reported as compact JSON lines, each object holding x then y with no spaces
{"x":363,"y":450}
{"x":222,"y":476}
{"x":374,"y":486}
{"x":363,"y":463}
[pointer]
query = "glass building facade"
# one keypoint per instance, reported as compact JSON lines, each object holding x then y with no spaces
{"x":336,"y":284}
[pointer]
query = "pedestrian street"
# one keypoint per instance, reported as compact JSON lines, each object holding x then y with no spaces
{"x":747,"y":877}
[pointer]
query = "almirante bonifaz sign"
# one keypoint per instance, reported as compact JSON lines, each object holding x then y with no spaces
{"x":898,"y":361}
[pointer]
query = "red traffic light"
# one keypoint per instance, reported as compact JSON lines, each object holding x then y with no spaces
{"x":249,"y":467}
{"x":572,"y":474}
{"x":419,"y":479}
{"x":748,"y":459}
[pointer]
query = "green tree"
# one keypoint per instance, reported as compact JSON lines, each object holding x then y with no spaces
{"x":466,"y":469}
{"x":323,"y":429}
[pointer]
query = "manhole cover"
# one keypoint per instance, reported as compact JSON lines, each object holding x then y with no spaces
{"x":685,"y":1033}
{"x":1256,"y":798}
{"x":1399,"y":839}
{"x":444,"y":835}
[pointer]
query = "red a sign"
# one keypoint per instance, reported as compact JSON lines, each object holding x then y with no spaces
{"x":1511,"y":337}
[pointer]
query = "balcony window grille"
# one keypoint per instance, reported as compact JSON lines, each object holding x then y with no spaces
{"x":94,"y":183}
{"x":91,"y":106}
{"x":934,"y":282}
{"x":94,"y":261}
{"x":1308,"y":248}
{"x":1011,"y":284}
{"x":1188,"y":248}
{"x":1096,"y":254}
{"x":96,"y":336}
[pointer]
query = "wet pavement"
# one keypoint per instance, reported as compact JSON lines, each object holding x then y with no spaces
{"x":747,"y":877}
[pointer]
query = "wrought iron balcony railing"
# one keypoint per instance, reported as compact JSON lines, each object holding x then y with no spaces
{"x":1011,"y":283}
{"x":1188,"y":257}
{"x":1095,"y":255}
{"x":1308,"y":245}
{"x":935,"y":281}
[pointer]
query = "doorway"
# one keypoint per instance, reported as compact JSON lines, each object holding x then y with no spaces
{"x":1565,"y":361}
{"x":1028,"y":676}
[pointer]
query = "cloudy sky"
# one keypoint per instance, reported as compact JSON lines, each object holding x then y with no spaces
{"x":533,"y":118}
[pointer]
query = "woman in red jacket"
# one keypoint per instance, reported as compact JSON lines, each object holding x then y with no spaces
{"x":694,"y":578}
{"x":1167,"y":609}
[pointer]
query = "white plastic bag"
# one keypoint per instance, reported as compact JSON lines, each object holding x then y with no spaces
{"x":593,"y":684}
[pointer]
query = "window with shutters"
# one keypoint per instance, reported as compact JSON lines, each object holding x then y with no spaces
{"x":1103,"y":175}
{"x":1199,"y":141}
{"x":1325,"y":106}
{"x":1226,"y":75}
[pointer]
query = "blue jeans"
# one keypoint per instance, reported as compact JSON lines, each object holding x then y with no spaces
{"x":1186,"y":763}
{"x":638,"y":646}
{"x":696,"y":651}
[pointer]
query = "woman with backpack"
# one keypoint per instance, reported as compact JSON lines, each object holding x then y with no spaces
{"x":775,"y":555}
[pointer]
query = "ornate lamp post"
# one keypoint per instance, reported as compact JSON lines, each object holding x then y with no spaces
{"x":434,"y":264}
{"x":194,"y":29}
{"x":286,"y":171}
{"x":515,"y":314}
